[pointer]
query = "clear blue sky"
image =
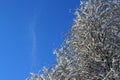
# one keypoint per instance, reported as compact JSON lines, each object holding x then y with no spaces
{"x":29,"y":31}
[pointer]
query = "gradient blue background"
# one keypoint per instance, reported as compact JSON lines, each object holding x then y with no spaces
{"x":29,"y":31}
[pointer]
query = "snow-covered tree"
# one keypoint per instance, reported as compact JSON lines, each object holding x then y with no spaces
{"x":91,"y":50}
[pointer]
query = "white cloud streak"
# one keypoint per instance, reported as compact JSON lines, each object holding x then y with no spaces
{"x":33,"y":53}
{"x":32,"y":26}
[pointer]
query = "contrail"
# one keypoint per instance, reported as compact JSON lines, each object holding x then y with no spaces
{"x":32,"y":27}
{"x":33,"y":54}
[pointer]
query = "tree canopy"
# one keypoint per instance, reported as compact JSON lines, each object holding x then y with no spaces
{"x":91,"y":50}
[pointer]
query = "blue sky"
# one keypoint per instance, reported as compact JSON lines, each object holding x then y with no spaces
{"x":29,"y":32}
